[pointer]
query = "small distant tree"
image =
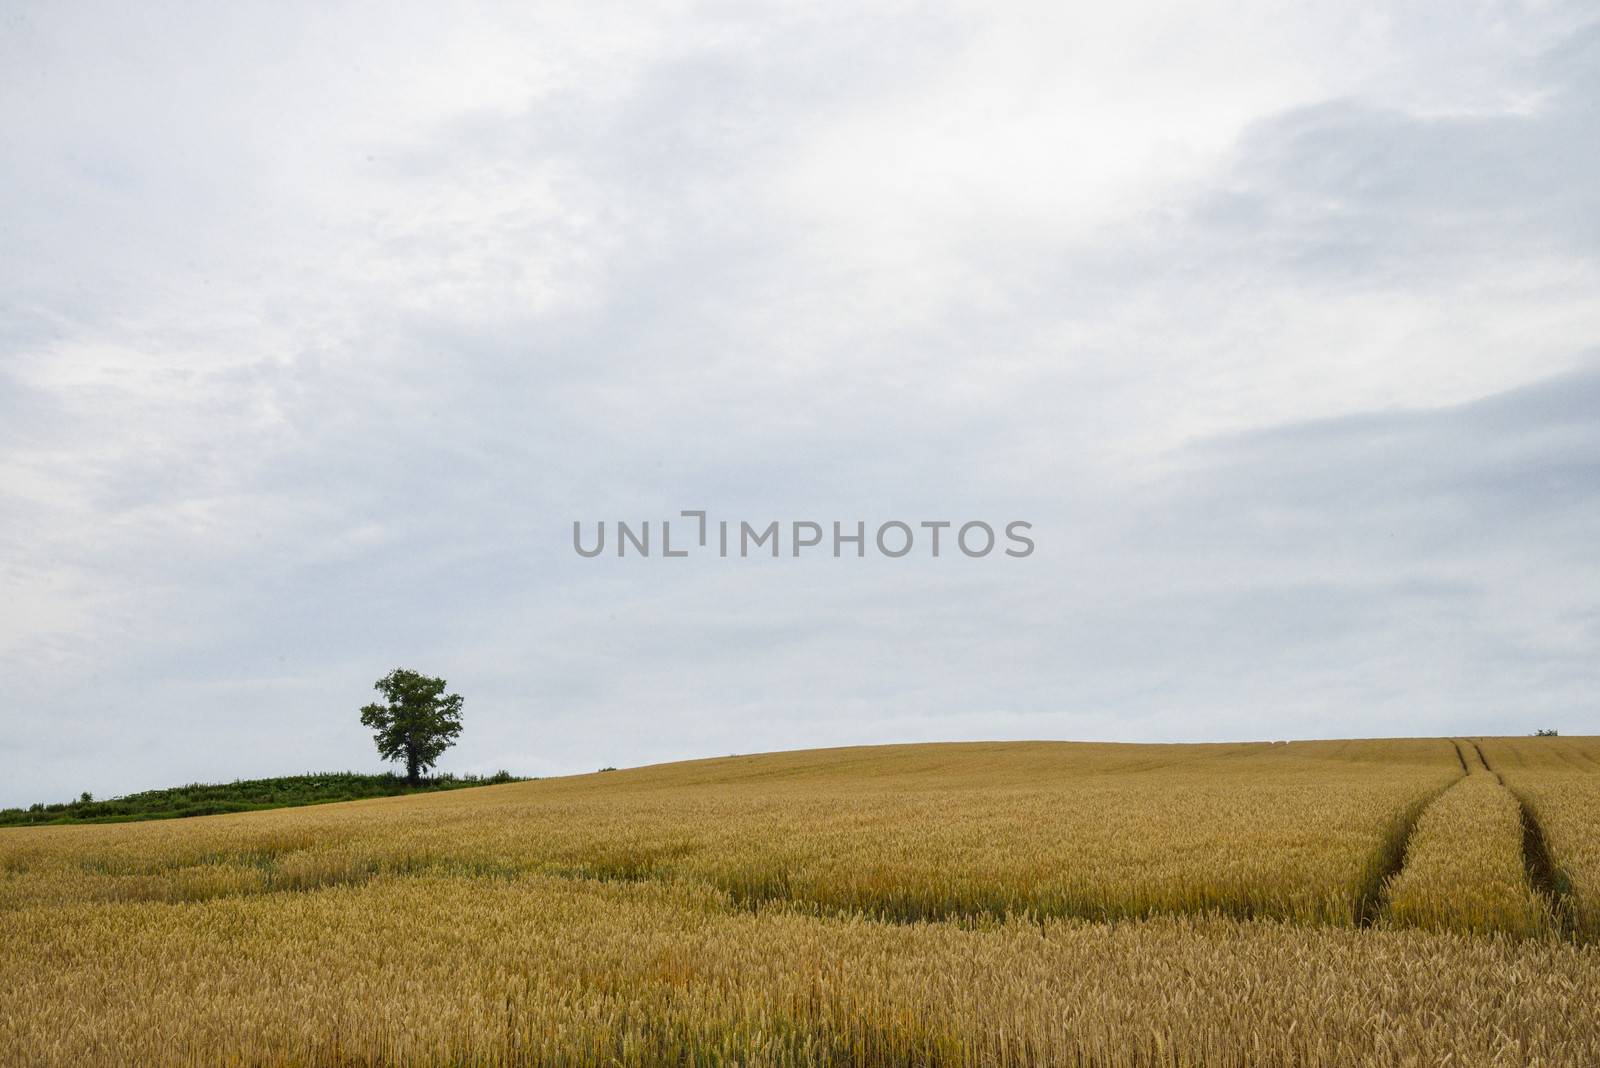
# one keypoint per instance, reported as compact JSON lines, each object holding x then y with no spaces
{"x":418,"y":722}
{"x":1546,"y":732}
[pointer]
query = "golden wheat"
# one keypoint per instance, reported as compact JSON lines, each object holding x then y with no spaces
{"x":1057,"y":904}
{"x":539,"y":970}
{"x":1299,"y":831}
{"x":1558,"y":782}
{"x":1464,"y":865}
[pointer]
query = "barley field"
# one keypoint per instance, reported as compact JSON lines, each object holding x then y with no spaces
{"x":1311,"y":903}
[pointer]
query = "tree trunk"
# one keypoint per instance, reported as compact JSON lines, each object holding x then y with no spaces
{"x":413,"y":773}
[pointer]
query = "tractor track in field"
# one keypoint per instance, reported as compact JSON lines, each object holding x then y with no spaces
{"x":1392,"y":857}
{"x":1391,"y":861}
{"x":1544,"y":875}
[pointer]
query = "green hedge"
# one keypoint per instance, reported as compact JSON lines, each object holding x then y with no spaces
{"x":246,"y":795}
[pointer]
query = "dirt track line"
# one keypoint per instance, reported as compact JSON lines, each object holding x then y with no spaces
{"x":1543,"y":873}
{"x":1392,"y":858}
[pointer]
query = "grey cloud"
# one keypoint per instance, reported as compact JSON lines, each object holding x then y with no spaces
{"x":1416,"y":560}
{"x":1354,"y":190}
{"x":1508,"y":465}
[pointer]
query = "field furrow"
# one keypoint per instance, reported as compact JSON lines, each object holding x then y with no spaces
{"x":1557,"y":781}
{"x":1464,"y":867}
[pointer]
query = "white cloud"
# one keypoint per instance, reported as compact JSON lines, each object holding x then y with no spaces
{"x":325,"y":324}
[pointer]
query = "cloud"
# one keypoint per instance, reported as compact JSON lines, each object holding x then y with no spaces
{"x":1376,"y":195}
{"x":327,"y":324}
{"x":1437,"y":561}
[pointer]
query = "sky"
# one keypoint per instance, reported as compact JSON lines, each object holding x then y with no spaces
{"x":321,"y":325}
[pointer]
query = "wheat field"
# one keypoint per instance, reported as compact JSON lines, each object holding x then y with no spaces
{"x":1464,"y":868}
{"x":1557,"y":781}
{"x":1328,"y":903}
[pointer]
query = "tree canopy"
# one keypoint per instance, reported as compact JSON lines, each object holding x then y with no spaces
{"x":418,"y":722}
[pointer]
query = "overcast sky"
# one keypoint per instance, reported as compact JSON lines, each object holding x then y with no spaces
{"x":321,"y":326}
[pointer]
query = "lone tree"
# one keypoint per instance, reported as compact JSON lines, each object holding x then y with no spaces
{"x":419,"y":722}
